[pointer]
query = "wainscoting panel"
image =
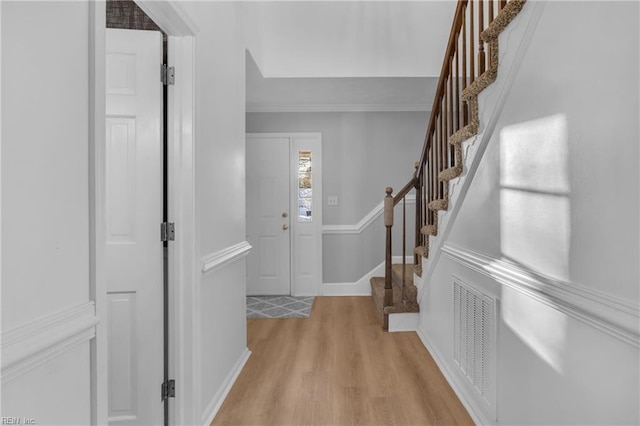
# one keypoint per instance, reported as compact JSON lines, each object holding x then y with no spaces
{"x":32,"y":344}
{"x":616,"y":317}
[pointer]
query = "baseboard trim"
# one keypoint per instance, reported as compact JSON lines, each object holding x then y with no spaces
{"x":476,"y":414}
{"x":221,"y":258}
{"x":357,"y":288}
{"x":615,"y":317}
{"x":216,"y":402}
{"x":345,"y":289}
{"x":32,"y":344}
{"x":362,"y":287}
{"x":364,"y":223}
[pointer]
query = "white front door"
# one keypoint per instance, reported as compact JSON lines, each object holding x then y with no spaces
{"x":284,"y":213}
{"x":134,"y":252}
{"x":268,"y":216}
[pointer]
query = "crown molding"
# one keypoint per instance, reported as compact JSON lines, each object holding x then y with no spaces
{"x":274,"y":107}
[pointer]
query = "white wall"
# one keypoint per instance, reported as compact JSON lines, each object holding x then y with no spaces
{"x":350,"y":39}
{"x":362,"y":153}
{"x":220,"y":193}
{"x":45,"y":212}
{"x":45,"y":208}
{"x":555,"y":203}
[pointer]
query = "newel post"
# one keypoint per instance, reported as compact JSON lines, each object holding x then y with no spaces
{"x":388,"y":223}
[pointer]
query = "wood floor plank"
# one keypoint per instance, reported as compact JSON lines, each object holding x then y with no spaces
{"x":338,"y":367}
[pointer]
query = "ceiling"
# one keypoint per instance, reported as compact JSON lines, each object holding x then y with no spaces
{"x":337,"y":94}
{"x":345,"y":55}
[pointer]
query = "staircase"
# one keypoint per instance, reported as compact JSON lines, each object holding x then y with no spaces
{"x":470,"y":66}
{"x":405,"y":293}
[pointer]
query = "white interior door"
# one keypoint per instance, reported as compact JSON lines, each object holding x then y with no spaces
{"x":134,"y":252}
{"x":268,"y":216}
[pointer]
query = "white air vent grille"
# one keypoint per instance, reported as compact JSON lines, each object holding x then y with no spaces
{"x":474,"y":339}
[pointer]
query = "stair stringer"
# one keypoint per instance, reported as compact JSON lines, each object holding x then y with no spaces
{"x":513,"y":42}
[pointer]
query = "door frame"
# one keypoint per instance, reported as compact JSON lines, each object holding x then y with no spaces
{"x":296,"y":288}
{"x":183,"y":307}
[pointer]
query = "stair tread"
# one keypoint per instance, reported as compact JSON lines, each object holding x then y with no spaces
{"x":377,"y":291}
{"x":397,"y":273}
{"x":429,"y":229}
{"x":422,"y":251}
{"x":377,"y":294}
{"x":409,"y":308}
{"x":377,"y":288}
{"x":439,"y":204}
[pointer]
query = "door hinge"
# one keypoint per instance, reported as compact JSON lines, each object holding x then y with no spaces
{"x":167,"y":75}
{"x":168,"y":389}
{"x":167,"y":231}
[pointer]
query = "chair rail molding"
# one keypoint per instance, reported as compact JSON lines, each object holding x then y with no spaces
{"x":364,"y":223}
{"x":616,"y":317}
{"x":221,"y":258}
{"x":34,"y":343}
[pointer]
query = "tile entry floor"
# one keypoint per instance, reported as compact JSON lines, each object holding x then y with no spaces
{"x":279,"y":306}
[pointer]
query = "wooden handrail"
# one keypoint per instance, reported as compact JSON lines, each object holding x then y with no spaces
{"x":405,"y":190}
{"x":435,"y":110}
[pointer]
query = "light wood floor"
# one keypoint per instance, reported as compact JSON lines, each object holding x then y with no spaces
{"x":338,"y":368}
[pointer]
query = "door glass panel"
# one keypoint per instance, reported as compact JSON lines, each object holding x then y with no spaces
{"x":305,"y":187}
